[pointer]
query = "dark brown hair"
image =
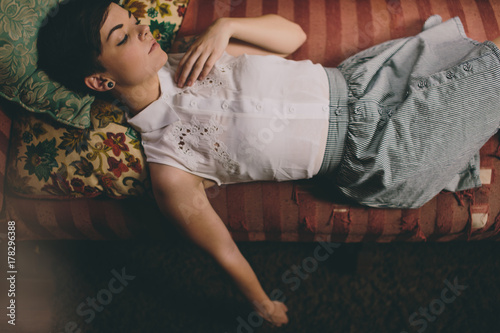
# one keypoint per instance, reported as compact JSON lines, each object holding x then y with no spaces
{"x":69,"y":42}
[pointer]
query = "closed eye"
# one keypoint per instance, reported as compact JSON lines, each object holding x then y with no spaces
{"x":124,"y":40}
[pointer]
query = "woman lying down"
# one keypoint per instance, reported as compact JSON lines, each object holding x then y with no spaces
{"x":392,"y":126}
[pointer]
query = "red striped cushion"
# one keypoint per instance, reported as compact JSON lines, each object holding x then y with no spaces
{"x":337,"y":29}
{"x":87,"y":219}
{"x":5,"y":123}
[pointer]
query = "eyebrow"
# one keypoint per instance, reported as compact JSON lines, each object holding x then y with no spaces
{"x":119,"y":26}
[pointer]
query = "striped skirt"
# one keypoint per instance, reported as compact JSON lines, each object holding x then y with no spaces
{"x":408,"y":117}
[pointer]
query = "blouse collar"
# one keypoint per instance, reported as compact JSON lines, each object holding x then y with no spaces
{"x":159,"y":113}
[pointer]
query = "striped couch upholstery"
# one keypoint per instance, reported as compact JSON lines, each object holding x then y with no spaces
{"x":297,"y":211}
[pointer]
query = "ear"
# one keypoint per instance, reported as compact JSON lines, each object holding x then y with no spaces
{"x":97,"y":82}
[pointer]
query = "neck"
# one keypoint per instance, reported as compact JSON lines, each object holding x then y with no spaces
{"x":137,"y":98}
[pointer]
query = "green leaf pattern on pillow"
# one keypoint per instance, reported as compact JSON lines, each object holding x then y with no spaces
{"x":23,"y":82}
{"x":163,"y":17}
{"x":18,"y":21}
{"x":41,"y":159}
{"x":14,"y":64}
{"x":163,"y":32}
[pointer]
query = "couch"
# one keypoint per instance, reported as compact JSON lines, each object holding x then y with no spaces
{"x":306,"y":210}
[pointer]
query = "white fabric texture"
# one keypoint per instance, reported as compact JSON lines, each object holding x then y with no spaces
{"x":253,"y":118}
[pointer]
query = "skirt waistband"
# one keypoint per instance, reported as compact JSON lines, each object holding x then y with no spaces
{"x":337,"y":123}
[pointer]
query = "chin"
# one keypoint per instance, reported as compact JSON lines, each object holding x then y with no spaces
{"x":165,"y":55}
{"x":164,"y":59}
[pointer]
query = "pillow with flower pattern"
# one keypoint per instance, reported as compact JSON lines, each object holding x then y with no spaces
{"x":51,"y":161}
{"x":163,"y":17}
{"x":26,"y":85}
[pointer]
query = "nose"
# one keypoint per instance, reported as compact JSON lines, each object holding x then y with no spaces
{"x":143,"y":32}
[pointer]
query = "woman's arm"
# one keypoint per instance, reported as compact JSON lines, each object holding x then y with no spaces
{"x":267,"y":34}
{"x":182,"y":198}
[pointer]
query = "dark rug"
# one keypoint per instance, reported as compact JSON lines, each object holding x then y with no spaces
{"x":175,"y":287}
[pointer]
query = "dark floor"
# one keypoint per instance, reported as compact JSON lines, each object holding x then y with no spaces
{"x":71,"y":286}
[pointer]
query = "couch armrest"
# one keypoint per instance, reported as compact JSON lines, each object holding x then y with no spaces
{"x":5,"y":123}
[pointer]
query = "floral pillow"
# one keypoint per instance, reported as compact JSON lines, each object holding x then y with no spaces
{"x":48,"y":160}
{"x":26,"y":85}
{"x":163,"y":17}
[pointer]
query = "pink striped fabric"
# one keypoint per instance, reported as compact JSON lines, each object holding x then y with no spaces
{"x":87,"y":219}
{"x":296,"y":211}
{"x":340,"y":28}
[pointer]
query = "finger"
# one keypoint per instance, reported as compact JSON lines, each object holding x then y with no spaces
{"x":181,"y":64}
{"x":209,"y":64}
{"x":184,"y":68}
{"x":187,"y":69}
{"x":282,"y":305}
{"x":193,"y":49}
{"x":188,"y":61}
{"x":197,"y":69}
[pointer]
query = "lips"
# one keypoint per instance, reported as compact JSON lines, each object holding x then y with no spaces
{"x":154,"y":46}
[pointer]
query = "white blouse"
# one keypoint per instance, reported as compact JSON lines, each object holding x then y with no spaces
{"x":253,"y":118}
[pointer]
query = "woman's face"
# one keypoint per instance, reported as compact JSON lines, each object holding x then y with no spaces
{"x":129,"y":52}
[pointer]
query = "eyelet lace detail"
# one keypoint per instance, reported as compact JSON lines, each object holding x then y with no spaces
{"x":188,"y":137}
{"x":210,"y":82}
{"x":227,"y":67}
{"x":215,"y":80}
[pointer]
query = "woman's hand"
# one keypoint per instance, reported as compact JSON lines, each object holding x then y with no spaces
{"x":274,"y":312}
{"x":202,"y":55}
